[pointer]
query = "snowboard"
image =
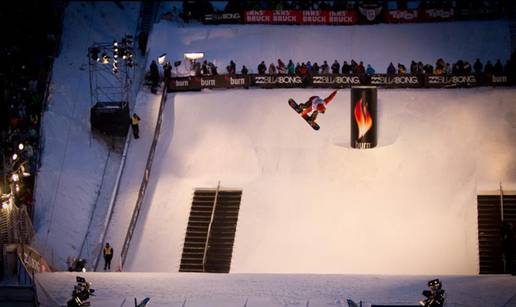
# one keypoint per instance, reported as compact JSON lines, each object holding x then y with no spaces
{"x":293,"y":104}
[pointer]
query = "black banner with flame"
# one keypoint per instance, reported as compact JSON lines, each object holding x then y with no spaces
{"x":364,"y":119}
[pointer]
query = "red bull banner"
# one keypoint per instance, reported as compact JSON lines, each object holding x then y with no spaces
{"x":364,"y":118}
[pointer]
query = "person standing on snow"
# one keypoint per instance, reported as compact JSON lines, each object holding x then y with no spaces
{"x":316,"y":105}
{"x":135,"y":121}
{"x":107,"y":251}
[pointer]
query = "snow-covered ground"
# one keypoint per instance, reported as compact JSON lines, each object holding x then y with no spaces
{"x":307,"y":196}
{"x":310,"y":203}
{"x":275,"y":290}
{"x":78,"y":169}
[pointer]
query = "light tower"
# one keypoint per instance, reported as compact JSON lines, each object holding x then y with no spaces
{"x":111,"y":75}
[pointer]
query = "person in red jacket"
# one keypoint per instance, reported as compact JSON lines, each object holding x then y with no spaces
{"x":316,"y":105}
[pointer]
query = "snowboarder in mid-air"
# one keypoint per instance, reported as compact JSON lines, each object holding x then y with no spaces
{"x":316,"y":105}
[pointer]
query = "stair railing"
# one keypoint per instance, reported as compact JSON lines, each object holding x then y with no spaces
{"x":208,"y":234}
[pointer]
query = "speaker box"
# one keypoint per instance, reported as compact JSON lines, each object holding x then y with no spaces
{"x":111,"y":118}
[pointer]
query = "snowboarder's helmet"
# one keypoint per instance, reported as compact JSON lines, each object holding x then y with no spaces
{"x":321,"y":108}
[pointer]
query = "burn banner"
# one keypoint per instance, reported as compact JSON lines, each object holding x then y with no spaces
{"x":364,"y":118}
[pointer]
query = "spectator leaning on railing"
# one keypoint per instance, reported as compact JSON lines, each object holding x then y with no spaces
{"x":262,"y":68}
{"x":304,"y":69}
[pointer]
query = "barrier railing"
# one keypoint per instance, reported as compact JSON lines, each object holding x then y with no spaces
{"x":145,"y":179}
{"x":197,"y":83}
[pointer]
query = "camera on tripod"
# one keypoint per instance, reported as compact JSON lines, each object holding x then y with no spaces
{"x":435,"y":296}
{"x":81,"y":293}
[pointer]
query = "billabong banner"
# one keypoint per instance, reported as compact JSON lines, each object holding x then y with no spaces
{"x":451,"y":81}
{"x":334,"y":81}
{"x":364,"y":118}
{"x":278,"y":81}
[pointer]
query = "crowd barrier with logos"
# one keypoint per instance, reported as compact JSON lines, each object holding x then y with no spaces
{"x":333,"y":81}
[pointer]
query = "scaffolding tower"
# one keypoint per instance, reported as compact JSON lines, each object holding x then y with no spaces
{"x":111,"y":73}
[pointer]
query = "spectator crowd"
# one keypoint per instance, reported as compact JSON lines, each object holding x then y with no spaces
{"x":25,"y":63}
{"x":358,"y":68}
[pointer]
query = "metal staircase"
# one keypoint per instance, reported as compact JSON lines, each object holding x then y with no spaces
{"x":210,"y":233}
{"x":148,"y":13}
{"x":492,"y":211}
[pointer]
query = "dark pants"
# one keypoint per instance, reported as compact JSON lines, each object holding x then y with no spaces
{"x":305,"y":104}
{"x":107,"y":262}
{"x":136,"y":131}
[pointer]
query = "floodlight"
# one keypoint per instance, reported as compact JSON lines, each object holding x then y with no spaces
{"x":20,"y":146}
{"x":162,"y":59}
{"x":24,"y":172}
{"x":15,"y":177}
{"x":192,"y":56}
{"x":115,"y":67}
{"x":15,"y":156}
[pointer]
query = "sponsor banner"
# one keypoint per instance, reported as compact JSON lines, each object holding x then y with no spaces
{"x":32,"y":260}
{"x":258,"y":17}
{"x":479,"y":12}
{"x":335,"y":81}
{"x":342,"y":17}
{"x":498,"y":80}
{"x":401,"y":16}
{"x":395,"y":81}
{"x":437,"y":14}
{"x":211,"y":81}
{"x":237,"y":81}
{"x":198,"y":83}
{"x":184,"y":84}
{"x":331,"y":81}
{"x":315,"y":17}
{"x":301,"y":17}
{"x":364,"y":117}
{"x":222,"y":18}
{"x":451,"y":81}
{"x":286,"y":17}
{"x":370,"y":13}
{"x":278,"y":81}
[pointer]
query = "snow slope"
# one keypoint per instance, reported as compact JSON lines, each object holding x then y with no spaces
{"x":310,"y":203}
{"x":308,"y":196}
{"x":74,"y":162}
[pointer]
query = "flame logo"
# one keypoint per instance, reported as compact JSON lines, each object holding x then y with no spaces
{"x":363,"y":118}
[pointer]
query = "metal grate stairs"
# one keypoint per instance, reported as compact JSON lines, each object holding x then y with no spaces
{"x":210,"y":233}
{"x":490,"y":243}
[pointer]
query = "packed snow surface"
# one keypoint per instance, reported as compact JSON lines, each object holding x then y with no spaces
{"x":274,"y":290}
{"x":312,"y":204}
